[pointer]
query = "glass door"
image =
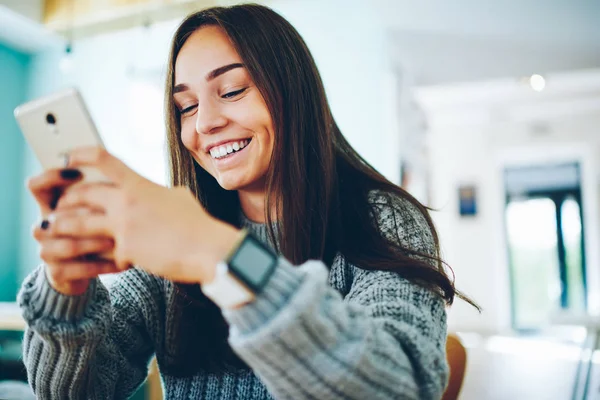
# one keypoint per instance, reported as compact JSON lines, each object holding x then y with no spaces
{"x":544,"y":229}
{"x":535,"y":280}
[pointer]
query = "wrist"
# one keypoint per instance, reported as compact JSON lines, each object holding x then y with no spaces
{"x":223,"y":238}
{"x":242,"y":273}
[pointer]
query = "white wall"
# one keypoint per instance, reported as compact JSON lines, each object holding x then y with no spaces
{"x":348,"y":42}
{"x":473,"y":143}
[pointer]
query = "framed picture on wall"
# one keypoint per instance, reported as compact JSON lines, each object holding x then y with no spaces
{"x":467,"y":200}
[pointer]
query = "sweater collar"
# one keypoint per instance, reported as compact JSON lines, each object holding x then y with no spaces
{"x":260,"y":230}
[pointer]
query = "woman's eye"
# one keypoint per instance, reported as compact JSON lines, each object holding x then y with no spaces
{"x":231,"y":95}
{"x":187,"y":109}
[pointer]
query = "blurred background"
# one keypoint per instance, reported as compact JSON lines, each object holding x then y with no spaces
{"x":488,"y":112}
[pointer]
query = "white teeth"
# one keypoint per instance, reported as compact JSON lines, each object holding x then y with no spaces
{"x":218,"y":152}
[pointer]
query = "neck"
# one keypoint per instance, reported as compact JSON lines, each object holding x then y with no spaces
{"x":253,"y":205}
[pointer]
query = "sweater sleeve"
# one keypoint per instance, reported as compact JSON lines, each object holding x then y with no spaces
{"x":384,"y":340}
{"x":94,"y":346}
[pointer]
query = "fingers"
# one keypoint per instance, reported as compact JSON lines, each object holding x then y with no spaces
{"x":78,"y":222}
{"x":90,"y":225}
{"x":97,"y":196}
{"x":77,"y":270}
{"x":61,"y":249}
{"x":97,"y":157}
{"x":71,"y":235}
{"x":48,"y":186}
{"x":53,"y":177}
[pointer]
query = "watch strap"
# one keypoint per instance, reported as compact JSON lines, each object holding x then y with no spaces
{"x":225,"y":290}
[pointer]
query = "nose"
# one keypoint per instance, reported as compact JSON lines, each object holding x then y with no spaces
{"x":209,"y":118}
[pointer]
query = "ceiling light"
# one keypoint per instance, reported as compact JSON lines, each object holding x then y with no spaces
{"x":537,"y":82}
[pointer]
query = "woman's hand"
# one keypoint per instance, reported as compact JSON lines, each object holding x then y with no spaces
{"x":67,"y":269}
{"x":165,"y":231}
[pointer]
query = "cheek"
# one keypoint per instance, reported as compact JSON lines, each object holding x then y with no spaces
{"x":189,"y":137}
{"x":261,"y":122}
{"x":269,"y":133}
{"x":254,"y":113}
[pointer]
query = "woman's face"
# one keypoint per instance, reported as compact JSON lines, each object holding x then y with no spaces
{"x":225,"y":123}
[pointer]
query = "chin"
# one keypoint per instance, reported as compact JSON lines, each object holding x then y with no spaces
{"x":227,"y":185}
{"x":231,"y":184}
{"x":241,"y":183}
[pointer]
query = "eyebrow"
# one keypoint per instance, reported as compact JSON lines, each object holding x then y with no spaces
{"x":210,"y":76}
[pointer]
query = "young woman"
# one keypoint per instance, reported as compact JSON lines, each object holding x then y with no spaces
{"x":279,"y":264}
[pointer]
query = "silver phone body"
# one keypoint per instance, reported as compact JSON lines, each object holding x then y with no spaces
{"x":52,"y":138}
{"x":54,"y":125}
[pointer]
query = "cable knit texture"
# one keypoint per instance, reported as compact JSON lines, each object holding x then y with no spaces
{"x":313,"y":333}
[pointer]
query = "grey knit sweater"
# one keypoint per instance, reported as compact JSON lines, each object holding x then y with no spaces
{"x":346,"y":333}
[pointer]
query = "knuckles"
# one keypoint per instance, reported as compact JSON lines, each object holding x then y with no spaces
{"x":63,"y":249}
{"x":67,"y":248}
{"x":129,"y":201}
{"x":58,"y":274}
{"x":74,"y":196}
{"x":37,"y":232}
{"x":98,"y":155}
{"x":31,"y":184}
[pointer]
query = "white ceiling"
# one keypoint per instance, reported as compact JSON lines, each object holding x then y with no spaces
{"x":439,"y":41}
{"x":566,"y":95}
{"x":32,"y":9}
{"x":434,"y":59}
{"x":554,"y":19}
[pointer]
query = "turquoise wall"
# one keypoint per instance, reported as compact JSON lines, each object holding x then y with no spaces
{"x":43,"y":77}
{"x":14,"y":78}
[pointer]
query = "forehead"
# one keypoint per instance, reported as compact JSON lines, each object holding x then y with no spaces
{"x":205,"y":49}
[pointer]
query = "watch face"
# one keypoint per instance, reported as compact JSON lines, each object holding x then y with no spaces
{"x":253,"y":263}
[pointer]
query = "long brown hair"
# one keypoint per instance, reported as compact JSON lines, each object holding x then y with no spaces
{"x":320,"y":182}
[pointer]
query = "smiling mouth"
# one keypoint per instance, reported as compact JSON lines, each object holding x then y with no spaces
{"x":229,"y":150}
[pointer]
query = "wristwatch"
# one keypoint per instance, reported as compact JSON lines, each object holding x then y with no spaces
{"x":243,"y":274}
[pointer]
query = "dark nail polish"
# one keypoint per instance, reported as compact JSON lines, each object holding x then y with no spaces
{"x":44,"y":225}
{"x":56,"y":193}
{"x":70,"y":174}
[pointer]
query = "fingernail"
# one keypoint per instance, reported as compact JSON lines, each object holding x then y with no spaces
{"x":44,"y":225}
{"x":70,"y":174}
{"x":55,"y":197}
{"x":66,"y":156}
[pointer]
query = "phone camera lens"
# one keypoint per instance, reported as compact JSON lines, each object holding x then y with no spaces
{"x":50,"y":119}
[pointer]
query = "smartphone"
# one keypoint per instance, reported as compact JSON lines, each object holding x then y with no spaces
{"x":56,"y":124}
